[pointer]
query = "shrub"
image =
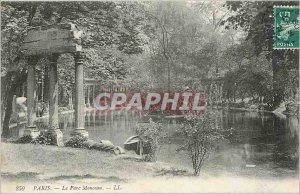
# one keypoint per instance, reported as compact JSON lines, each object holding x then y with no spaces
{"x":44,"y":139}
{"x":76,"y":141}
{"x":150,"y":135}
{"x":200,"y":134}
{"x":24,"y":139}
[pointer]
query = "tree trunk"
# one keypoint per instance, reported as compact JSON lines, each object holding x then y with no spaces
{"x":46,"y":84}
{"x":19,"y":78}
{"x":278,"y":89}
{"x":8,"y":111}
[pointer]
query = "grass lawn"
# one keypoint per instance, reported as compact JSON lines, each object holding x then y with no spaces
{"x":26,"y":164}
{"x":55,"y":163}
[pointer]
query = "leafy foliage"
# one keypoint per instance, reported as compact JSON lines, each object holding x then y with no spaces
{"x":150,"y":135}
{"x":24,"y":139}
{"x":250,"y":79}
{"x":44,"y":139}
{"x":249,"y":16}
{"x":112,"y":32}
{"x":168,"y":45}
{"x":201,"y":135}
{"x":76,"y":141}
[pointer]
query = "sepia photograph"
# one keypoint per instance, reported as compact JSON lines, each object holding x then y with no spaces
{"x":171,"y":96}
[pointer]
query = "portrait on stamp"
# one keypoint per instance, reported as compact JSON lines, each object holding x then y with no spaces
{"x":286,"y":27}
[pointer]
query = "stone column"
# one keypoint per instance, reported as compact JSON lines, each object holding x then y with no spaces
{"x":221,"y":92}
{"x":79,"y":97}
{"x":70,"y":102}
{"x":31,"y":92}
{"x":42,"y":88}
{"x":88,"y":96}
{"x":53,"y":102}
{"x":93,"y":97}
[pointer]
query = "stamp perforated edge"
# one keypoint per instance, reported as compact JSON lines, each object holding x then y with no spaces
{"x":274,"y":38}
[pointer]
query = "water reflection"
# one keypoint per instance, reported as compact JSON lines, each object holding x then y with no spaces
{"x":263,"y":141}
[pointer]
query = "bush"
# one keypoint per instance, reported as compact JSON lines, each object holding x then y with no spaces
{"x":150,"y":135}
{"x":44,"y":139}
{"x":200,"y":135}
{"x":76,"y":141}
{"x":24,"y":139}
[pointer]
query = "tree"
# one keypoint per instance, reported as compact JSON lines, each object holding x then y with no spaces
{"x":14,"y":23}
{"x":200,"y":134}
{"x":249,"y":75}
{"x":186,"y":45}
{"x":150,"y":136}
{"x":111,"y":34}
{"x":248,"y":16}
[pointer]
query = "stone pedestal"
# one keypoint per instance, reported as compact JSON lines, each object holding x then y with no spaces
{"x":79,"y":97}
{"x":14,"y":116}
{"x":32,"y":131}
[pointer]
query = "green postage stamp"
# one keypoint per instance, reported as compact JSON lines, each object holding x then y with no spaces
{"x":286,"y":27}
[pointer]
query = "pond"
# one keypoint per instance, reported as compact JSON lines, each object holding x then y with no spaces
{"x":265,"y":145}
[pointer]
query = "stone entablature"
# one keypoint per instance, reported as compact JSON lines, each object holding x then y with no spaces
{"x":52,"y":39}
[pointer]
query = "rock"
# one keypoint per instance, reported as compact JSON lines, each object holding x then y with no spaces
{"x":103,"y":147}
{"x":89,"y":143}
{"x":107,"y":142}
{"x":119,"y":150}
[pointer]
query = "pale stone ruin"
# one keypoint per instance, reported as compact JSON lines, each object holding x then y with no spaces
{"x":51,"y":41}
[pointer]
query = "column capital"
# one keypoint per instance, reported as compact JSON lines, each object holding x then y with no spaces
{"x":78,"y":57}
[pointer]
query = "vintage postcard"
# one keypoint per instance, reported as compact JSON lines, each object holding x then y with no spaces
{"x":178,"y":96}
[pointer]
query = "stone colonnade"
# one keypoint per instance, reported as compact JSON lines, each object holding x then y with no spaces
{"x":92,"y":87}
{"x":53,"y":98}
{"x":90,"y":91}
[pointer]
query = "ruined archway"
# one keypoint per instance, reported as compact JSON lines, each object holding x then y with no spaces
{"x":52,"y":41}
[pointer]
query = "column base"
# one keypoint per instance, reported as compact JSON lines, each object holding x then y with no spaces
{"x":31,"y":131}
{"x":57,"y":136}
{"x":81,"y":132}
